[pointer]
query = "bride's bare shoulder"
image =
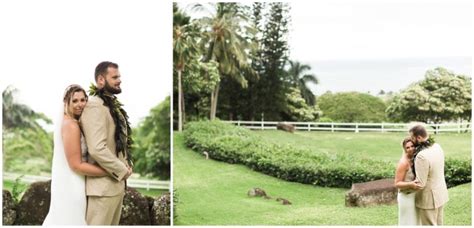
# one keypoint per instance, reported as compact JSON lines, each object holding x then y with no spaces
{"x":70,"y":125}
{"x":404,"y":163}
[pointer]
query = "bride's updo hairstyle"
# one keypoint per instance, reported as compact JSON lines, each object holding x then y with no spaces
{"x":70,"y":90}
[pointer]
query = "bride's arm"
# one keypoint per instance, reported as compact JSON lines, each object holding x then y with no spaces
{"x":71,"y":136}
{"x":400,"y":176}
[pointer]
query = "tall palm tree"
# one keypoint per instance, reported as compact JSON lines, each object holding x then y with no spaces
{"x":224,"y":41}
{"x":300,"y":79}
{"x":184,"y":49}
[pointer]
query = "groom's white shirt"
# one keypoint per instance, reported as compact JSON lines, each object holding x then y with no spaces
{"x":429,"y":168}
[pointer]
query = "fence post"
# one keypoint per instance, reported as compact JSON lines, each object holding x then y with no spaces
{"x":262,"y":123}
{"x":382,"y":128}
{"x":309,"y":126}
{"x":357,"y":128}
{"x":238,"y":123}
{"x":459,"y":125}
{"x":332,"y":127}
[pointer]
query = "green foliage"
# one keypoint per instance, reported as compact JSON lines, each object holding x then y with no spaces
{"x":232,"y":144}
{"x":457,"y":172}
{"x":27,"y":151}
{"x":352,"y":107}
{"x":267,"y":95}
{"x":298,"y":109}
{"x":441,"y":96}
{"x":18,"y":189}
{"x":27,"y":147}
{"x":152,"y":139}
{"x":300,"y":80}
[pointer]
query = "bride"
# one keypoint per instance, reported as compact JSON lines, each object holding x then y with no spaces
{"x":68,"y":197}
{"x":407,"y":186}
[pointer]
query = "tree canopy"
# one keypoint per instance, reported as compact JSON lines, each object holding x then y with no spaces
{"x":352,"y":107}
{"x":441,"y":96}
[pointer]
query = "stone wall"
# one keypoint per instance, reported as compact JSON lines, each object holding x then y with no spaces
{"x":33,"y":207}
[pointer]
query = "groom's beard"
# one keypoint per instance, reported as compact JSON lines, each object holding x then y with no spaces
{"x":111,"y":89}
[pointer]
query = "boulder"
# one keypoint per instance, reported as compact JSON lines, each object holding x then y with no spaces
{"x":161,"y":210}
{"x":286,"y":127}
{"x":372,"y":193}
{"x":34,"y":205}
{"x":135,"y":210}
{"x":9,"y":213}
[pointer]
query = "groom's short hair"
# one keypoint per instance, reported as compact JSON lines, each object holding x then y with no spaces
{"x":101,"y":69}
{"x":419,"y":130}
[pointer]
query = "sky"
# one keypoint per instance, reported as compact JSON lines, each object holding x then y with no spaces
{"x":47,"y":45}
{"x":368,"y":46}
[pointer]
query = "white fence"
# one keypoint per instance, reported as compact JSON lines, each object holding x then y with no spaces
{"x":354,"y":127}
{"x":134,"y":183}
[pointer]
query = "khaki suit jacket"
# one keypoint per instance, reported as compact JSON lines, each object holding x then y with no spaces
{"x":99,"y":131}
{"x":429,"y":168}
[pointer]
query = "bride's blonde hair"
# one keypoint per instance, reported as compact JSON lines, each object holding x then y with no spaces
{"x":70,"y":90}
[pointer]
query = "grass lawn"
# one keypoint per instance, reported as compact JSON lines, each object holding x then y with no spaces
{"x":215,"y":193}
{"x":379,"y":146}
{"x":8,"y":185}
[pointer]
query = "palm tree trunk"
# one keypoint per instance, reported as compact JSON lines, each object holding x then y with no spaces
{"x":209,"y":52}
{"x":180,"y":103}
{"x":214,"y":97}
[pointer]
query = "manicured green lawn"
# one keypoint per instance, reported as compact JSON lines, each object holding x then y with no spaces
{"x":215,"y":193}
{"x":379,"y":146}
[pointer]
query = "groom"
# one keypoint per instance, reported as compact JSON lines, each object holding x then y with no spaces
{"x":429,"y":168}
{"x":105,"y":131}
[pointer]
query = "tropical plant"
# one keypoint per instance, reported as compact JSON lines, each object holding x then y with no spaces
{"x":300,"y":79}
{"x":185,"y":49}
{"x":16,"y":115}
{"x":224,"y":41}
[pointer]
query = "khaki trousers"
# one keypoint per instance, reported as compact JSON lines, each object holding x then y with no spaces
{"x":104,"y":210}
{"x":433,"y":217}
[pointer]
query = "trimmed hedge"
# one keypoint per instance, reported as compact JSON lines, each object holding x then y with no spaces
{"x":457,"y":172}
{"x":232,"y":144}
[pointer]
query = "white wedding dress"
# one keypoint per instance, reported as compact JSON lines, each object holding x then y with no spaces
{"x":68,"y":191}
{"x":407,"y":214}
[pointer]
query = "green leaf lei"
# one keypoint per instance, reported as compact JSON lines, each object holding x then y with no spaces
{"x":123,"y":138}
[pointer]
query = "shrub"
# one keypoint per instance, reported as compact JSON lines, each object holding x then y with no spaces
{"x":232,"y":144}
{"x":457,"y":172}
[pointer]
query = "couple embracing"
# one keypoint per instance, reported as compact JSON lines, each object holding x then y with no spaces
{"x":420,"y":180}
{"x":91,"y":159}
